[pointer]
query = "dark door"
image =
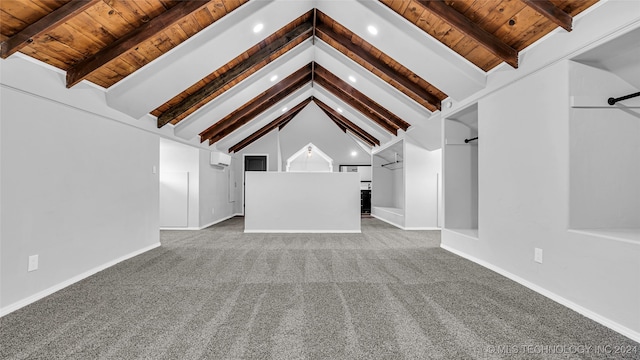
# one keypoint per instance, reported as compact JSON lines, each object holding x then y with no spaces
{"x":252,"y":163}
{"x":255,"y":163}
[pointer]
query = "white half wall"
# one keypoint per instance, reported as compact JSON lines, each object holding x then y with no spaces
{"x":81,"y":194}
{"x":302,"y":202}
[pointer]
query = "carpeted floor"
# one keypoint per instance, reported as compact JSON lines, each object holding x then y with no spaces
{"x":223,"y":294}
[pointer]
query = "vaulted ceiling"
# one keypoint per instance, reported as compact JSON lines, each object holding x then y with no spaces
{"x":230,"y":71}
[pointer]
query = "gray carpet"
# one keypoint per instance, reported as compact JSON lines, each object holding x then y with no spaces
{"x":223,"y":294}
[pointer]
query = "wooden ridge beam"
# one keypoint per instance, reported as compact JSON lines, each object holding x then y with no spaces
{"x":132,"y":39}
{"x":303,"y":31}
{"x":257,"y":105}
{"x":40,"y":27}
{"x":406,"y":85}
{"x":284,"y":118}
{"x":547,"y":9}
{"x":457,"y":20}
{"x":324,"y":76}
{"x":344,"y":122}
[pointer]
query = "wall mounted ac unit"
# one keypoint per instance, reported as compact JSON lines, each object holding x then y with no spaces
{"x":220,"y":159}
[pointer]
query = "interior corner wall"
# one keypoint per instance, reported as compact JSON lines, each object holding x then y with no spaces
{"x":78,"y":190}
{"x":524,"y":204}
{"x":215,"y":203}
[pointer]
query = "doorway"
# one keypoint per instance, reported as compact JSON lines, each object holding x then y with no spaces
{"x":252,"y":163}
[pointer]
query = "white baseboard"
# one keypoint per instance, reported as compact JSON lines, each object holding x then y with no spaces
{"x":179,"y":228}
{"x":387,"y":221}
{"x":35,"y":297}
{"x":631,"y":334}
{"x":421,"y":228}
{"x":218,"y":221}
{"x":202,"y":227}
{"x":303,"y":231}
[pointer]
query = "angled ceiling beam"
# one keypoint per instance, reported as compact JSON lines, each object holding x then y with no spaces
{"x":284,"y":124}
{"x":40,"y":27}
{"x":340,"y":126}
{"x":344,"y":129}
{"x":457,"y":20}
{"x":282,"y":119}
{"x":406,"y":85}
{"x":335,"y":90}
{"x":302,"y":31}
{"x":365,"y":105}
{"x":132,"y":39}
{"x":344,"y":122}
{"x":547,"y":9}
{"x":257,"y":105}
{"x":253,"y":114}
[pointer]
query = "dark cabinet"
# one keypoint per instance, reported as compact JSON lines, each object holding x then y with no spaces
{"x":365,"y":201}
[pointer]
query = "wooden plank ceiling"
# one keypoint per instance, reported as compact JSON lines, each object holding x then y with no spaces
{"x":104,"y":41}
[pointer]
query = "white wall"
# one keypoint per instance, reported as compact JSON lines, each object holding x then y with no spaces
{"x":266,"y":145}
{"x":309,"y":162}
{"x":179,"y":160}
{"x":604,"y":148}
{"x":422,"y":169}
{"x":302,"y":202}
{"x":77,"y":189}
{"x":312,"y":125}
{"x":524,"y":193}
{"x":461,"y":176}
{"x":215,"y":204}
{"x":382,"y":184}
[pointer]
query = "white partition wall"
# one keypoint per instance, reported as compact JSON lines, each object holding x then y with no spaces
{"x":302,"y":202}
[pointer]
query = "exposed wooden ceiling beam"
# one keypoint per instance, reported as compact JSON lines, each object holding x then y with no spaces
{"x":339,"y":125}
{"x":547,"y":9}
{"x":132,"y":39}
{"x":344,"y":122}
{"x":367,"y":106}
{"x":245,"y":119}
{"x":335,"y":90}
{"x":303,"y":31}
{"x":406,"y":84}
{"x":284,"y":118}
{"x":284,"y":123}
{"x":40,"y":27}
{"x":257,"y":105}
{"x":457,"y":20}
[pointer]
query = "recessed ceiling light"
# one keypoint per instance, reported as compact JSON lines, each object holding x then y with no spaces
{"x":258,"y":28}
{"x":352,"y":78}
{"x":339,"y":110}
{"x":354,"y":153}
{"x":372,"y":30}
{"x":284,"y":109}
{"x":273,"y":78}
